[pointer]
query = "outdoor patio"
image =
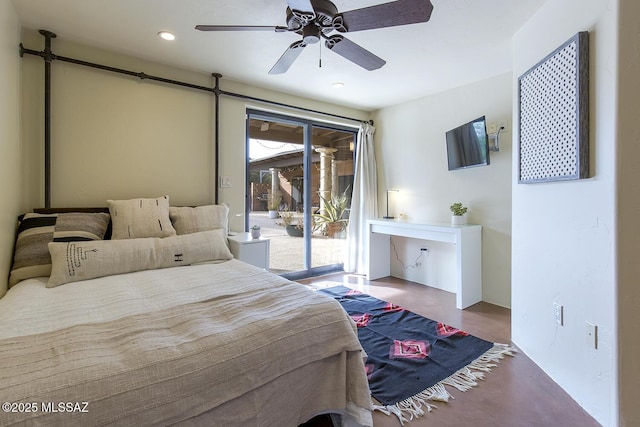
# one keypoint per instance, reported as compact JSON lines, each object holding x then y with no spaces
{"x":286,"y":252}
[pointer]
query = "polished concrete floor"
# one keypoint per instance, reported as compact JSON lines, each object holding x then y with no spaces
{"x":516,"y":393}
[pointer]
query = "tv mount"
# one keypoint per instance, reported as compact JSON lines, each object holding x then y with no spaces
{"x":495,"y":137}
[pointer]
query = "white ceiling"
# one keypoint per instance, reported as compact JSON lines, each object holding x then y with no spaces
{"x":465,"y":41}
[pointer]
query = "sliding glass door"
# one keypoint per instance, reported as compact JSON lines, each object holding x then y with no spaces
{"x":299,"y":180}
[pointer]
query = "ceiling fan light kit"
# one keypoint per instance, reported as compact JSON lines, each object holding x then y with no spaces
{"x":316,"y":19}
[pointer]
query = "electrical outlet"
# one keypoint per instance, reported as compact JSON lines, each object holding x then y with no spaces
{"x":557,"y":313}
{"x":503,"y":126}
{"x":492,"y":128}
{"x":591,"y":331}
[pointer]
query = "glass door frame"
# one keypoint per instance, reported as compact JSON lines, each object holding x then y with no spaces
{"x":307,"y":126}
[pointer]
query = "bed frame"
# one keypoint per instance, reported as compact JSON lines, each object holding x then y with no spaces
{"x":48,"y":56}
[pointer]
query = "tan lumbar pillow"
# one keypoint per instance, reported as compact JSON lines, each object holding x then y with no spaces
{"x":73,"y":261}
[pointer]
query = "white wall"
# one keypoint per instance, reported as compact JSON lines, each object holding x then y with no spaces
{"x":411,"y":156}
{"x":628,"y":212}
{"x":10,"y":147}
{"x":564,"y":232}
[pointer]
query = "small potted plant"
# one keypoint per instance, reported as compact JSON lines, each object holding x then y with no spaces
{"x":458,"y":212}
{"x":288,"y":219}
{"x":296,"y":230}
{"x":255,"y":231}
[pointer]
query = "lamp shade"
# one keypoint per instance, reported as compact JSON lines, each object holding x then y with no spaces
{"x":387,"y":216}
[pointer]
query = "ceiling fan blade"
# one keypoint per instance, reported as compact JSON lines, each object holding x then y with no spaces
{"x":354,"y":53}
{"x":400,"y":12}
{"x":288,"y":57}
{"x":277,"y":29}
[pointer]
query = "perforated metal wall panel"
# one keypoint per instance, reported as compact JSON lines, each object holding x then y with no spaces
{"x":553,"y":108}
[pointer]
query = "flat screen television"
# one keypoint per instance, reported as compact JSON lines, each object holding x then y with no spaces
{"x":468,"y":145}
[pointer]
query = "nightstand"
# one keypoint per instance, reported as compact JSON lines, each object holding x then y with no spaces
{"x":250,"y":250}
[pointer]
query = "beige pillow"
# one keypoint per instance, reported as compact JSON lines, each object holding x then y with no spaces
{"x":201,"y":218}
{"x":73,"y":261}
{"x":140,"y":218}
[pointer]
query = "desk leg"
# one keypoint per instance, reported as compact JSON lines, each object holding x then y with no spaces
{"x":469,"y":264}
{"x":379,"y":256}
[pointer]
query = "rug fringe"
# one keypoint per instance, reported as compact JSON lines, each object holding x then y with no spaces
{"x":464,"y":379}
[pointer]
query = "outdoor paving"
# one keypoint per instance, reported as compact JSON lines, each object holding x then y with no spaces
{"x":286,"y":252}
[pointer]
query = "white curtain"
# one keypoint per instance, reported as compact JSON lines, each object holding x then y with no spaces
{"x":364,"y":201}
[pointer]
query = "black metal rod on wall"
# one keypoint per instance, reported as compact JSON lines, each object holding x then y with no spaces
{"x":48,"y":35}
{"x":49,"y":56}
{"x":216,"y":153}
{"x":141,"y":76}
{"x":144,"y":76}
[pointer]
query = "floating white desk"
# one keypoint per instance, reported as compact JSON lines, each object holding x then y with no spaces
{"x":466,"y":238}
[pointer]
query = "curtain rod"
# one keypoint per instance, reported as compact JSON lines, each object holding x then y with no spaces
{"x":282,"y":104}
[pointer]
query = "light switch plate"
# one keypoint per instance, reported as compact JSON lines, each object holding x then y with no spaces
{"x":557,"y":314}
{"x":591,"y":331}
{"x":225,"y":182}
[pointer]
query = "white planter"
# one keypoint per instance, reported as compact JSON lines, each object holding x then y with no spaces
{"x":273,"y":214}
{"x":458,"y":219}
{"x":255,"y":233}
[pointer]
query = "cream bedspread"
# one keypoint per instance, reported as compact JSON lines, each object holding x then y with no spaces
{"x":215,"y":344}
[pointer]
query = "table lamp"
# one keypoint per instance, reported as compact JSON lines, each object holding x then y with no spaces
{"x":387,"y":215}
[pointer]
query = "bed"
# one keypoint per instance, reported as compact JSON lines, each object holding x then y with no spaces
{"x":211,"y":342}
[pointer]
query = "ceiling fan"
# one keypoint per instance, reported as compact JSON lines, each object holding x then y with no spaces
{"x":316,"y":19}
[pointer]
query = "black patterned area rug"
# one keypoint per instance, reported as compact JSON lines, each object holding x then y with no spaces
{"x":410,"y":359}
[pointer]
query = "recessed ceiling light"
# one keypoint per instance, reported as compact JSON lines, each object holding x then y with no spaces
{"x":166,"y":35}
{"x":338,"y":85}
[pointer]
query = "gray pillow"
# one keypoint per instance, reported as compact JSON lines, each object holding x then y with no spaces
{"x":31,"y":256}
